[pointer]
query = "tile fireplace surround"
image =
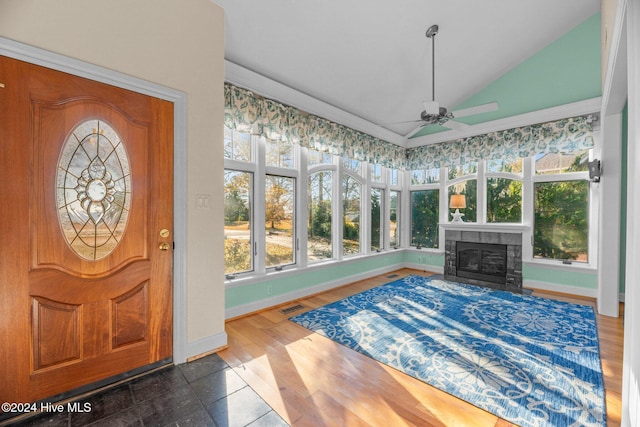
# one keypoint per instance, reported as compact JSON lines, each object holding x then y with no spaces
{"x":513,"y":242}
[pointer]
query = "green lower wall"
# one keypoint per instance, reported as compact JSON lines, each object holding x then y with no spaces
{"x":578,"y":279}
{"x":316,"y":275}
{"x":424,"y":258}
{"x":278,"y":284}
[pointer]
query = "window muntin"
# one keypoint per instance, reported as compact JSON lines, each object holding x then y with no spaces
{"x":238,"y":235}
{"x":425,"y":216}
{"x":377,"y":219}
{"x":237,"y":145}
{"x":561,"y":220}
{"x":351,"y":214}
{"x":319,"y":227}
{"x":279,"y":220}
{"x":394,"y":218}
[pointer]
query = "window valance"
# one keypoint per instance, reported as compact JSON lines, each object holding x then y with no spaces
{"x":254,"y":114}
{"x":561,"y":136}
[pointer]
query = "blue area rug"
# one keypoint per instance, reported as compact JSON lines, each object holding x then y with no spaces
{"x":528,"y":360}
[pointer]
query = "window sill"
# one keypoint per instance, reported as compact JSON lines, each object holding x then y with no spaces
{"x":558,"y":265}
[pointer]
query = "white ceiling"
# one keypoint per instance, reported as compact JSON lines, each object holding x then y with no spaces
{"x":372,"y":59}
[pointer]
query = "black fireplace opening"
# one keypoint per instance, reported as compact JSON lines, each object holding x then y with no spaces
{"x":482,"y":261}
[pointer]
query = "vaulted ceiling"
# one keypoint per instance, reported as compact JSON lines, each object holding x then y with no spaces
{"x":372,"y":59}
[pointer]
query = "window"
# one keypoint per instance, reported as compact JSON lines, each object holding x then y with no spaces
{"x":394,"y":177}
{"x":561,"y":207}
{"x":376,"y":173}
{"x":425,"y":176}
{"x":279,"y":154}
{"x":351,"y":196}
{"x":352,"y":165}
{"x":319,"y":230}
{"x":315,"y":158}
{"x":425,"y":216}
{"x":469,"y":189}
{"x":463,"y":180}
{"x":504,"y":191}
{"x":394,"y":216}
{"x":238,"y":238}
{"x":377,"y":221}
{"x":279,"y":220}
{"x":237,"y":145}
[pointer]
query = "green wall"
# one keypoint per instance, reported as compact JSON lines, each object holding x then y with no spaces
{"x":567,"y":70}
{"x":426,"y":259}
{"x":316,"y":275}
{"x":579,"y":279}
{"x":281,"y":284}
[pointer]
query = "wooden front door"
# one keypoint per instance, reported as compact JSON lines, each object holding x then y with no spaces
{"x":86,"y":218}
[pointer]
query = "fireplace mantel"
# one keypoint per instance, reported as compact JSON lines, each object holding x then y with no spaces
{"x":472,"y":226}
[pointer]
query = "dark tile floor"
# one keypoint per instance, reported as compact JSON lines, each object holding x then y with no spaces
{"x":205,"y":392}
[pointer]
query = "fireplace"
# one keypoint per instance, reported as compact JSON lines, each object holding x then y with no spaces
{"x":482,"y":261}
{"x":485,"y":258}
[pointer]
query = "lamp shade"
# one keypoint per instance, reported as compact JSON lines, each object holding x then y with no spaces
{"x":458,"y":201}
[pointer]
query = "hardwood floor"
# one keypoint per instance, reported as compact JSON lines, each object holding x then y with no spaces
{"x":312,"y":381}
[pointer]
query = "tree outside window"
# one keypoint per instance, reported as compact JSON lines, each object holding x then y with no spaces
{"x":319,"y":230}
{"x":425,"y":216}
{"x":279,"y":220}
{"x":237,"y":222}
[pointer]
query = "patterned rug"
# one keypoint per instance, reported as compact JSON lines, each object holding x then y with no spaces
{"x":528,"y":360}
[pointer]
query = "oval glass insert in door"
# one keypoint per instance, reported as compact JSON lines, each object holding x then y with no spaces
{"x":93,"y":189}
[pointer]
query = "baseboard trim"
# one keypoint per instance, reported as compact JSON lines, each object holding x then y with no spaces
{"x":564,"y":289}
{"x":439,"y":269}
{"x":206,"y":345}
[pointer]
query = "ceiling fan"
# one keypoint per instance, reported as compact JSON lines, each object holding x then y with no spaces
{"x":433,"y":113}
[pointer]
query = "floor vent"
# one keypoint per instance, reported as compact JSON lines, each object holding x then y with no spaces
{"x":392,"y":276}
{"x":292,"y":309}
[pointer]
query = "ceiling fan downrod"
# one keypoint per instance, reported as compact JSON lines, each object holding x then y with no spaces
{"x":431,"y":33}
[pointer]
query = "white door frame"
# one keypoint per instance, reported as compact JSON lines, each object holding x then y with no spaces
{"x":55,"y":61}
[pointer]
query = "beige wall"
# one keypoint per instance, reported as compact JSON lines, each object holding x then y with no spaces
{"x":174,"y":43}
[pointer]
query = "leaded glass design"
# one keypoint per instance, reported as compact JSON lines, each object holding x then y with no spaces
{"x":93,"y":189}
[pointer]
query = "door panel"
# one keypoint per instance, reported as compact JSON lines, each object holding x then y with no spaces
{"x":85,"y":289}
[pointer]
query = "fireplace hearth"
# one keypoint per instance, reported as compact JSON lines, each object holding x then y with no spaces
{"x":492,"y":259}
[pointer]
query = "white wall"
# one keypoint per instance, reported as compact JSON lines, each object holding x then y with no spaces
{"x":174,"y":43}
{"x":631,"y":357}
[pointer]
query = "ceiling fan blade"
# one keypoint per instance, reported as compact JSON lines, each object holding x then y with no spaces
{"x":416,"y":129}
{"x":400,"y":123}
{"x":452,"y":124}
{"x":432,"y":107}
{"x":484,"y":108}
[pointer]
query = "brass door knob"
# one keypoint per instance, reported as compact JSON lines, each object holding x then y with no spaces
{"x":164,"y":246}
